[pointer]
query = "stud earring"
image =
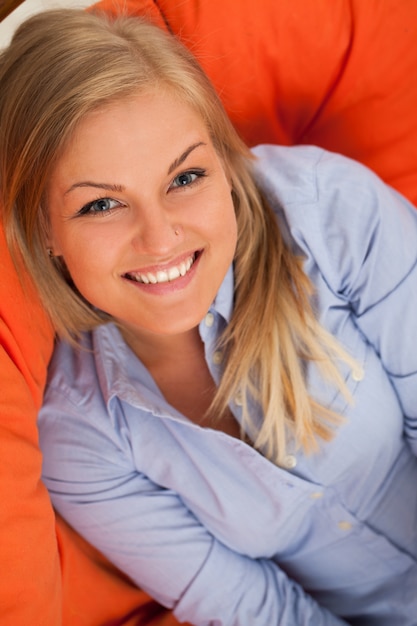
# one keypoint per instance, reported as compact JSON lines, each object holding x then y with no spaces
{"x":50,"y":253}
{"x":177,"y":232}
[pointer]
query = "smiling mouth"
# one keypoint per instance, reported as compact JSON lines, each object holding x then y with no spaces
{"x":164,"y":276}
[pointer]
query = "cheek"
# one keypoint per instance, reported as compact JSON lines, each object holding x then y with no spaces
{"x":84,"y":259}
{"x":87,"y":248}
{"x":91,"y":278}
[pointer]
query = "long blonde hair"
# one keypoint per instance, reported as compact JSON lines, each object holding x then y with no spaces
{"x":66,"y":63}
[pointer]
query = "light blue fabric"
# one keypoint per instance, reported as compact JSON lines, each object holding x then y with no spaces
{"x":201,"y":520}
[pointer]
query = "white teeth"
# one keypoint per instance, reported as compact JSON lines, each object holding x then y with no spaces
{"x":173,"y":273}
{"x":161,"y":277}
{"x":164,"y":276}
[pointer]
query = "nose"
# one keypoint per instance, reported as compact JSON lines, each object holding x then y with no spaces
{"x":155,"y":232}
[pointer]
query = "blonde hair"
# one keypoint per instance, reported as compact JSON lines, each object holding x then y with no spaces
{"x":66,"y":63}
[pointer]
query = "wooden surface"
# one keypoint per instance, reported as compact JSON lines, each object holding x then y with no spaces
{"x":7,"y":6}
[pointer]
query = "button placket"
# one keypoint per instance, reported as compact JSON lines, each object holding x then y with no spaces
{"x":290,"y":461}
{"x":316,"y":495}
{"x":358,"y":375}
{"x":217,"y":357}
{"x":209,"y":320}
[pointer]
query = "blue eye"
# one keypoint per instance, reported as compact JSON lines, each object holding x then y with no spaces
{"x":187,"y":178}
{"x":100,"y":206}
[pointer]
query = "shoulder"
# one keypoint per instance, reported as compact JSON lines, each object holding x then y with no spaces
{"x":79,"y":391}
{"x":337,"y":212}
{"x":94,"y":367}
{"x":309,"y":175}
{"x":72,"y":370}
{"x":79,"y":406}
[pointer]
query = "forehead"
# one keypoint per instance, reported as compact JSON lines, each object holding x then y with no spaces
{"x":155,"y":125}
{"x":162,"y":110}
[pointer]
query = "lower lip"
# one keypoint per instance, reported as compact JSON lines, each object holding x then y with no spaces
{"x":160,"y":289}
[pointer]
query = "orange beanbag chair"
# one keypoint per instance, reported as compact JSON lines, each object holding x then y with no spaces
{"x":340,"y":75}
{"x":336,"y":74}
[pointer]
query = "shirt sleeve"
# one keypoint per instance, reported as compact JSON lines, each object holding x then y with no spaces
{"x":363,"y":236}
{"x":149,"y":533}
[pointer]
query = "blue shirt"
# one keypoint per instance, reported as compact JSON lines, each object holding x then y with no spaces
{"x":204,"y":522}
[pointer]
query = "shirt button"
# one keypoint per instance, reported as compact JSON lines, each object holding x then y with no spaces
{"x":358,"y":375}
{"x":345,"y":525}
{"x":217,"y":357}
{"x":209,"y":320}
{"x":290,"y":461}
{"x":239,"y":398}
{"x":316,"y":495}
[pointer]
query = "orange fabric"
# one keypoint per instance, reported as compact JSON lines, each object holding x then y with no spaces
{"x":30,"y":581}
{"x":336,"y":74}
{"x":371,"y":112}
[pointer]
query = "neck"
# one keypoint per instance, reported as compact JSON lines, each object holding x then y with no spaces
{"x":178,"y":367}
{"x":154,"y":349}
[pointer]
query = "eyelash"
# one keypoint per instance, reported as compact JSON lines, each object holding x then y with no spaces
{"x":88,"y":208}
{"x":199,"y":173}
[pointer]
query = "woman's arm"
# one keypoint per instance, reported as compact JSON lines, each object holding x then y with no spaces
{"x":377,"y":265}
{"x":362,"y":235}
{"x":149,"y":533}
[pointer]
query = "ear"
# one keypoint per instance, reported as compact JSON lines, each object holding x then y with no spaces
{"x":52,"y":246}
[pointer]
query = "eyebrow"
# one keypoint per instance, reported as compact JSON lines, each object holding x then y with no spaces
{"x":184,"y":155}
{"x":89,"y":183}
{"x":119,"y":188}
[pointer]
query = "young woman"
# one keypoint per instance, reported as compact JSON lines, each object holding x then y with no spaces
{"x":231,"y":412}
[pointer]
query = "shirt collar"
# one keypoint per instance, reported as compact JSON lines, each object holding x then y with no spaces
{"x":223,"y":302}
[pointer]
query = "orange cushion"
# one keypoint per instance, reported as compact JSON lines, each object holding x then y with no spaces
{"x":30,"y":588}
{"x":337,"y":74}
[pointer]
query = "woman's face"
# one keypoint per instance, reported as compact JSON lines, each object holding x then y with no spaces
{"x":141,"y":211}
